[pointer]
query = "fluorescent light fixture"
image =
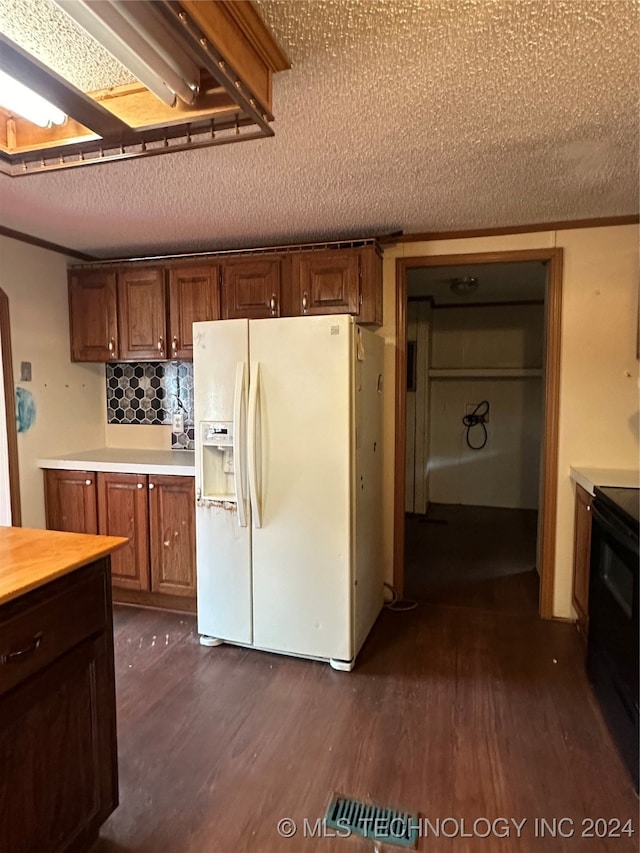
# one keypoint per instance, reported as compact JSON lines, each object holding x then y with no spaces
{"x":137,"y":35}
{"x":17,"y":98}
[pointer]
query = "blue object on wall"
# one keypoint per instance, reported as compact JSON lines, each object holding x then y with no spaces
{"x":25,"y":409}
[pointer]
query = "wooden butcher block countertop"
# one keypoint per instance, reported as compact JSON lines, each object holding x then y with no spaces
{"x":31,"y":558}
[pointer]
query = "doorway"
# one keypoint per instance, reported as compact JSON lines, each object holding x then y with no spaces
{"x":467,"y":509}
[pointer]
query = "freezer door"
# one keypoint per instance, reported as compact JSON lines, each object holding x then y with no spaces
{"x":301,"y":454}
{"x":223,"y":532}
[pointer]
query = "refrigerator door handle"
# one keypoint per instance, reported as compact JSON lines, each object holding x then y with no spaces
{"x":252,"y":444}
{"x":239,"y":444}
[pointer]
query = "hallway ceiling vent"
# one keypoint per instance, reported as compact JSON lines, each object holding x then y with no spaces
{"x":464,"y":286}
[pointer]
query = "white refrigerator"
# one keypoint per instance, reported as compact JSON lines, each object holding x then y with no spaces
{"x":288,"y":426}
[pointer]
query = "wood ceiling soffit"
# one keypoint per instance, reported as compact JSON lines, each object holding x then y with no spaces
{"x":237,"y":56}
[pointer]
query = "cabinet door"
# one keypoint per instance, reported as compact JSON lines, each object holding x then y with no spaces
{"x":93,"y":326}
{"x":370,"y":286}
{"x":251,"y":288}
{"x":123,"y":511}
{"x":193,"y":297}
{"x":327,"y":282}
{"x":172,"y":535}
{"x":142,"y":310}
{"x":582,"y":557}
{"x":70,"y":501}
{"x":58,"y":754}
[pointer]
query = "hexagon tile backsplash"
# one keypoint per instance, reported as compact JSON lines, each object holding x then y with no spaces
{"x":149,"y":393}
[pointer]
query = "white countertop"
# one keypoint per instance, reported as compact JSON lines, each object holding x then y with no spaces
{"x":126,"y":461}
{"x":589,"y":478}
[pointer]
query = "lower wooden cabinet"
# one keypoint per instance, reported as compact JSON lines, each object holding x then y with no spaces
{"x":70,"y":501}
{"x":172,"y":535}
{"x":123,"y":511}
{"x":582,"y":557}
{"x":58,"y":752}
{"x":156,"y":513}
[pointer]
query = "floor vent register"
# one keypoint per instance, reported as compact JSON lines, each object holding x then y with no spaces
{"x":348,"y":816}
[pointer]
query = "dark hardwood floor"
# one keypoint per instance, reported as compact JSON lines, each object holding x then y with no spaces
{"x":450,"y":712}
{"x":473,"y":556}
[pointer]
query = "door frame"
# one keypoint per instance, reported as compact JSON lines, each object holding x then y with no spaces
{"x":10,"y":410}
{"x":549,"y":467}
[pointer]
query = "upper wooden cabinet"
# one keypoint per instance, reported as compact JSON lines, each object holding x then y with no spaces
{"x":252,"y":288}
{"x":146,"y":313}
{"x":326,"y":282}
{"x":340,"y":281}
{"x":93,"y":315}
{"x":370,"y":312}
{"x":142,"y":313}
{"x":194,"y":295}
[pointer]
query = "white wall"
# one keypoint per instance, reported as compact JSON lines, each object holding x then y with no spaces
{"x":599,"y":419}
{"x":504,"y":473}
{"x":149,"y":436}
{"x":488,"y":336}
{"x":69,"y":412}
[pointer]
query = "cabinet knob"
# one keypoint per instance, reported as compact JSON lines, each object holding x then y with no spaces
{"x":88,"y":482}
{"x":111,"y":346}
{"x":305,"y":301}
{"x":140,"y":485}
{"x":588,"y":509}
{"x":174,"y":343}
{"x":151,"y":486}
{"x":160,"y":344}
{"x":273,"y":304}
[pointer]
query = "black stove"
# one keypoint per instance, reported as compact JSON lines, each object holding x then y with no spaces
{"x":613,"y":644}
{"x":624,"y":502}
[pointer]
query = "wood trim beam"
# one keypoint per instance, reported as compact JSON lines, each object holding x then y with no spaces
{"x":10,"y":408}
{"x":549,"y":508}
{"x":258,"y":35}
{"x":401,"y":426}
{"x":429,"y":236}
{"x":549,"y":468}
{"x":44,"y":244}
{"x":20,"y":65}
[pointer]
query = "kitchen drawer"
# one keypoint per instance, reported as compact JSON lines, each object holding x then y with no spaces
{"x":37,"y":631}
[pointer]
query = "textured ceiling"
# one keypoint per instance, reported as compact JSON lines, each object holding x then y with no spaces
{"x":410,"y":115}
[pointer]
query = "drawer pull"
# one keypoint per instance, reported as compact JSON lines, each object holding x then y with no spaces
{"x":10,"y":657}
